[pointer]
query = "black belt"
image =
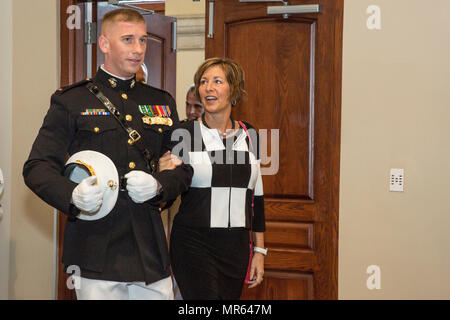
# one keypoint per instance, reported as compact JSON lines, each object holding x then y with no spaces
{"x":135,"y":137}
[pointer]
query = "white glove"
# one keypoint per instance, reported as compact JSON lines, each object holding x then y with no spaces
{"x":141,"y":186}
{"x":88,"y":196}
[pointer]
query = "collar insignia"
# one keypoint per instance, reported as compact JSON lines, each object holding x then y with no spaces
{"x":113,"y":82}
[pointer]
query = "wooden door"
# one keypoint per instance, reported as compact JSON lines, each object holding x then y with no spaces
{"x":293,"y":80}
{"x":160,"y":60}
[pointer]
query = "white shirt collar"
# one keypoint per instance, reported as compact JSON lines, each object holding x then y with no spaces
{"x":213,"y":141}
{"x":103,"y":68}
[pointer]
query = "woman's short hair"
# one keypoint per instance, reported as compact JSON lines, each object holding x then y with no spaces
{"x":233,"y":72}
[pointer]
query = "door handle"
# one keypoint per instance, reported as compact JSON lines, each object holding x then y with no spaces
{"x":129,"y":4}
{"x":211,"y":19}
{"x":301,"y":8}
{"x":287,"y":9}
{"x":284,"y":2}
{"x":174,"y":36}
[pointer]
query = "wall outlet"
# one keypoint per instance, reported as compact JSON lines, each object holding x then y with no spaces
{"x":396,"y":180}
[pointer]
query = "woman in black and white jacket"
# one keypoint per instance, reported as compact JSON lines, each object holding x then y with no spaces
{"x":210,"y":236}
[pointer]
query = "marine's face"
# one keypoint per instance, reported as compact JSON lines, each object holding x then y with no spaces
{"x":124,"y":45}
{"x":214,"y":90}
{"x":194,"y":108}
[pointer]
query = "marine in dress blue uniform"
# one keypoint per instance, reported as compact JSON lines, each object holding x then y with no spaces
{"x":129,"y":244}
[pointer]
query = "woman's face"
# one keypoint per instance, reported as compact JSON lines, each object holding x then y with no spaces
{"x":214,"y":90}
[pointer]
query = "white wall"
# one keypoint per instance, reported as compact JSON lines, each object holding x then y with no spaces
{"x":5,"y":139}
{"x":35,"y":78}
{"x":395,"y":113}
{"x":191,"y":52}
{"x":184,"y":7}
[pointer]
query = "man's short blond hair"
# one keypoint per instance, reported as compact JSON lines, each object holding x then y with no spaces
{"x":121,"y":15}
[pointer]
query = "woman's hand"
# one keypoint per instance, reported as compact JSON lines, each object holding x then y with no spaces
{"x":169,"y":162}
{"x":256,"y":270}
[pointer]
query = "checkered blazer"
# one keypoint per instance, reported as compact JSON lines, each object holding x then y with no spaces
{"x":226,"y":180}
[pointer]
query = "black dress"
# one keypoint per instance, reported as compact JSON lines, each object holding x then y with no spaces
{"x":209,"y":244}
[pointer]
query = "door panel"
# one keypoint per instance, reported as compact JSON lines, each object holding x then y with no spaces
{"x":293,"y":80}
{"x":289,"y":285}
{"x":284,"y":88}
{"x":160,"y":58}
{"x":73,"y":53}
{"x":282,"y":234}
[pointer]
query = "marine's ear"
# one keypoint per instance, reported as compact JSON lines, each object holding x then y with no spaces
{"x":103,"y":44}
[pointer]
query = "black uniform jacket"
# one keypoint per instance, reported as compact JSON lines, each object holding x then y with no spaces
{"x":129,"y":244}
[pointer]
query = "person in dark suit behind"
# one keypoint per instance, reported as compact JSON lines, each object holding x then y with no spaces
{"x":194,"y":107}
{"x":142,"y":74}
{"x":123,"y":255}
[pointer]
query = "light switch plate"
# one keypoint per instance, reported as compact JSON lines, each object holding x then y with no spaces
{"x":397,"y":180}
{"x":2,"y":182}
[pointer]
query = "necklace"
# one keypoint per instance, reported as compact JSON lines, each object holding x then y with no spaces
{"x":224,"y":134}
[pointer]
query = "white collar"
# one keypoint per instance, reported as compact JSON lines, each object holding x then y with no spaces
{"x":103,"y":68}
{"x":213,"y":141}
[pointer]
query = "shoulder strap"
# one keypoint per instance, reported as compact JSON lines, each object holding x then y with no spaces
{"x":248,"y":135}
{"x":62,"y":90}
{"x":133,"y":134}
{"x":253,"y":193}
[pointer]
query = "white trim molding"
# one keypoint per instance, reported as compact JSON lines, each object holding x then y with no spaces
{"x":191,"y":32}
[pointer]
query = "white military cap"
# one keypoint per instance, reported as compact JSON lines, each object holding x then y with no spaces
{"x":92,"y":163}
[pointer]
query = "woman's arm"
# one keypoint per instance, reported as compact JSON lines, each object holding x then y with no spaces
{"x":257,"y":267}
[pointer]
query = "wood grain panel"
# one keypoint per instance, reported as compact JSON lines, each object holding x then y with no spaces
{"x":289,"y":210}
{"x":155,"y":54}
{"x":290,"y":286}
{"x":282,"y":93}
{"x":160,"y":58}
{"x":290,"y":259}
{"x":72,"y":47}
{"x":289,"y":235}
